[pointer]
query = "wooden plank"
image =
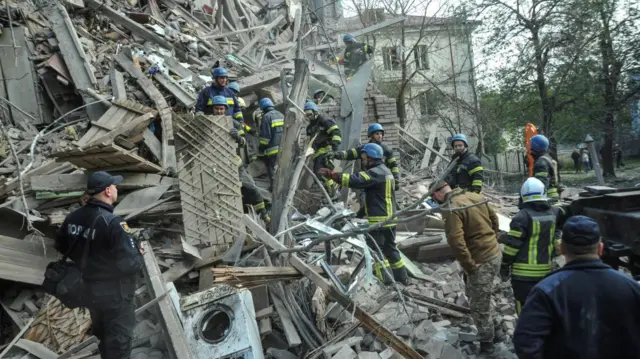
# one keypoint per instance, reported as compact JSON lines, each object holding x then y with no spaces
{"x":118,"y":89}
{"x":25,"y":261}
{"x":16,"y":338}
{"x":178,"y":347}
{"x":142,"y":120}
{"x":367,"y":320}
{"x":168,"y":149}
{"x":260,"y":35}
{"x":290,"y":332}
{"x":78,"y":181}
{"x":36,"y":349}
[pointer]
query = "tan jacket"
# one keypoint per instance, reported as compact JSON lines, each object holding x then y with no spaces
{"x":471,"y":233}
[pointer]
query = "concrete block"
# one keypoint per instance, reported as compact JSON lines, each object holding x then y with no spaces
{"x":368,"y":355}
{"x":404,"y":331}
{"x":442,"y":323}
{"x":449,"y":352}
{"x":345,"y":353}
{"x":390,"y":354}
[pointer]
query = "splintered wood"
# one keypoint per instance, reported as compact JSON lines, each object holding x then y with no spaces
{"x":59,"y":327}
{"x":209,"y":184}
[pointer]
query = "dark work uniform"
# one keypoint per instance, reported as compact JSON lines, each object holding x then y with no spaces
{"x":250,"y":193}
{"x":380,"y":205}
{"x":271,"y":129}
{"x":113,"y":263}
{"x":204,"y":103}
{"x":530,"y":246}
{"x":355,"y":55}
{"x":585,"y":310}
{"x":545,"y":169}
{"x":468,"y":173}
{"x":328,"y":139}
{"x":390,"y":161}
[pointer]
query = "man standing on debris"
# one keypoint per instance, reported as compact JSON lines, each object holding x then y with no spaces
{"x":219,"y":88}
{"x":271,"y":128}
{"x":380,"y":205}
{"x":250,"y":192}
{"x":375,"y":132}
{"x":545,"y":168}
{"x":235,"y":87}
{"x":111,"y":266}
{"x":468,"y":173}
{"x":327,"y":140}
{"x":471,"y":234}
{"x":584,"y":310}
{"x":355,"y":54}
{"x":528,"y":252}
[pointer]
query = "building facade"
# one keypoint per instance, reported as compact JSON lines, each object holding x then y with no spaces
{"x":436,"y":55}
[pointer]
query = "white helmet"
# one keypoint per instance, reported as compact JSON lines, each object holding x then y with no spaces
{"x":533,"y":190}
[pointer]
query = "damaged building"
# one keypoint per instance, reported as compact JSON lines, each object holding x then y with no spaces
{"x":110,"y":85}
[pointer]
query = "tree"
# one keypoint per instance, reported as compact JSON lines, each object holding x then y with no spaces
{"x":408,"y":50}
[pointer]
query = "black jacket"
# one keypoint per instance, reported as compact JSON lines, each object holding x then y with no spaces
{"x":531,"y":239}
{"x":328,"y":133}
{"x":113,"y":253}
{"x":544,"y":169}
{"x":585,"y":310}
{"x":356,"y":54}
{"x":468,"y":173}
{"x":378,"y":185}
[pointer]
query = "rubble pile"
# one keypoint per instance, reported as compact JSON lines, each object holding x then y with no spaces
{"x":110,"y":85}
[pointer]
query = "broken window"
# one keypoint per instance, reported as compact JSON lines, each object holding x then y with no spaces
{"x":391,"y":57}
{"x":427,"y":103}
{"x":420,"y":56}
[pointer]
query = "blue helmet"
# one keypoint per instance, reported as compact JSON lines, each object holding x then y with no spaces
{"x":234,"y":86}
{"x":311,"y":106}
{"x":265,"y":103}
{"x":348,"y":38}
{"x":460,"y":137}
{"x":220,"y":72}
{"x":317,"y":92}
{"x":220,"y":100}
{"x":373,"y":128}
{"x":539,"y":143}
{"x":373,"y":150}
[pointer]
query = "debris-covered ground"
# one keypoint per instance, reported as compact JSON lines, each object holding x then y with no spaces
{"x":110,"y":85}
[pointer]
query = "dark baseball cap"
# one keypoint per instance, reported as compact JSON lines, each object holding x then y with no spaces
{"x":581,"y":231}
{"x":99,"y":181}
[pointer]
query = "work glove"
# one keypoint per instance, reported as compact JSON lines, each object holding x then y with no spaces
{"x":236,"y":136}
{"x":505,"y":272}
{"x":338,"y":155}
{"x":330,"y":155}
{"x":329,"y":173}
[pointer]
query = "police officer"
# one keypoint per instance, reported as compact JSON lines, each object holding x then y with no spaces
{"x":375,"y":132}
{"x":355,"y":54}
{"x":113,"y":262}
{"x":584,"y":310}
{"x":327,"y":140}
{"x":528,"y":251}
{"x":250,"y":192}
{"x":545,"y":168}
{"x":219,"y":88}
{"x":271,"y":128}
{"x":468,"y":173}
{"x":380,"y":205}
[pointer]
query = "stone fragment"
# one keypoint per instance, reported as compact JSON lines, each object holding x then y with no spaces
{"x":345,"y":353}
{"x":404,"y":331}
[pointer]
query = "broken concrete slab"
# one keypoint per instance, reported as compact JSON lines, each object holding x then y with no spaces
{"x":345,"y":353}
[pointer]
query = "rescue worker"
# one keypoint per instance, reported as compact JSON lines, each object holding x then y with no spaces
{"x":471,"y":234}
{"x":111,"y":267}
{"x":250,"y":193}
{"x":584,"y":310}
{"x":355,"y":54}
{"x":379,"y":205}
{"x":271,"y":128}
{"x":327,"y":140}
{"x":545,"y":168}
{"x":375,"y":132}
{"x":528,"y":251}
{"x":235,"y":87}
{"x":468,"y":173}
{"x":251,"y":149}
{"x":318,"y":95}
{"x":219,"y":88}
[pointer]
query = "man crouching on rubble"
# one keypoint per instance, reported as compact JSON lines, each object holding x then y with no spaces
{"x":109,"y":267}
{"x":380,"y":205}
{"x":471,"y":234}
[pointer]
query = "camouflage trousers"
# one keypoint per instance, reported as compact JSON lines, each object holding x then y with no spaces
{"x":479,"y":288}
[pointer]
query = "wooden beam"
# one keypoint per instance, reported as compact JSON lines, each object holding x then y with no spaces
{"x":290,"y":332}
{"x":78,"y":181}
{"x":367,"y":320}
{"x":260,"y":36}
{"x":420,"y":142}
